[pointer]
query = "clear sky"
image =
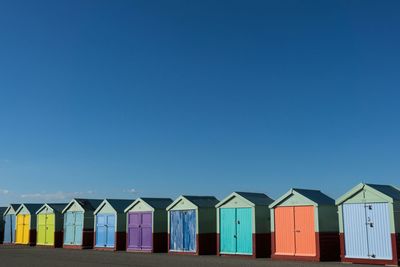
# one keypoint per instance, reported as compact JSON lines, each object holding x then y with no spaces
{"x":162,"y":98}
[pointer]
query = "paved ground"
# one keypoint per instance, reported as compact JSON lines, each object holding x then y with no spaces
{"x":41,"y":257}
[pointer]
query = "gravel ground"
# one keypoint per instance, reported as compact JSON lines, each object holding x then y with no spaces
{"x":46,"y":257}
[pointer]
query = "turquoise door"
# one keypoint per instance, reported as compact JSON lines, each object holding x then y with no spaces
{"x":228,"y":231}
{"x":236,"y":231}
{"x":244,"y":231}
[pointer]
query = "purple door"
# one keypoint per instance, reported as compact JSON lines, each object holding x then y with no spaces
{"x":140,"y":232}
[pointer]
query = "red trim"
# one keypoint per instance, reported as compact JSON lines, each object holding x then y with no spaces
{"x":327,"y":248}
{"x":395,"y":252}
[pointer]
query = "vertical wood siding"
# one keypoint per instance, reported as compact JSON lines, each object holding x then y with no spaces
{"x":284,"y":231}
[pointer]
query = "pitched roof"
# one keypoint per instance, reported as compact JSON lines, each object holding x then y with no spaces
{"x":2,"y":210}
{"x":203,"y":201}
{"x":15,"y":206}
{"x":119,"y":204}
{"x":57,"y":207}
{"x":388,"y":192}
{"x":12,"y":206}
{"x":155,"y":203}
{"x":199,"y":201}
{"x":253,"y":199}
{"x":31,"y":207}
{"x":88,"y":204}
{"x":315,"y":196}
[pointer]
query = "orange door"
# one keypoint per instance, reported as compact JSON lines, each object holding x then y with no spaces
{"x":284,"y":231}
{"x":304,"y":231}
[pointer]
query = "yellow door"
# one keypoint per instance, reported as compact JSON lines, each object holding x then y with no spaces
{"x":27,"y":226}
{"x":41,"y":228}
{"x":50,"y":229}
{"x":20,"y":229}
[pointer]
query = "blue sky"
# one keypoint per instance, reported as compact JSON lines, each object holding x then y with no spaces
{"x":162,"y":98}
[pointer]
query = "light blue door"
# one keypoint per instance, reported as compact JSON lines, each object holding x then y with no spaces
{"x":73,"y":228}
{"x":355,"y":232}
{"x":101,"y":231}
{"x":189,"y":230}
{"x":244,"y":231}
{"x":176,"y":230}
{"x":78,"y":228}
{"x":228,"y":230}
{"x":9,"y":229}
{"x":69,"y":228}
{"x":110,"y":243}
{"x":378,"y":231}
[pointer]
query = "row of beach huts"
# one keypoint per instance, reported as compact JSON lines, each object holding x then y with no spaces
{"x":362,"y":226}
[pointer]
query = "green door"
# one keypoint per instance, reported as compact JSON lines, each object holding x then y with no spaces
{"x":41,"y":229}
{"x":50,"y":229}
{"x":244,"y":231}
{"x":228,"y":231}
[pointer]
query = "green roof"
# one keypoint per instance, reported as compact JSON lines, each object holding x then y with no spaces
{"x":32,"y":208}
{"x":388,"y":190}
{"x":157,"y":203}
{"x":254,"y":199}
{"x":203,"y":201}
{"x":119,"y":204}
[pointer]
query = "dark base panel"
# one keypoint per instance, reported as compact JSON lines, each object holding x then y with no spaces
{"x":87,"y":238}
{"x":58,"y":239}
{"x":206,"y":244}
{"x":32,"y":237}
{"x":262,"y":245}
{"x":160,"y":242}
{"x":329,"y":246}
{"x":1,"y":237}
{"x":395,"y":252}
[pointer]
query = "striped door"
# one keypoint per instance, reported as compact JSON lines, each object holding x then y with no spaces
{"x":304,"y":231}
{"x":244,"y":231}
{"x":228,"y":230}
{"x":284,"y":231}
{"x":183,"y":231}
{"x":189,"y":230}
{"x":378,"y":231}
{"x":176,"y":231}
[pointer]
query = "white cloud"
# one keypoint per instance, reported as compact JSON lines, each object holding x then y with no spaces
{"x":55,"y":196}
{"x":131,"y":191}
{"x":4,"y":191}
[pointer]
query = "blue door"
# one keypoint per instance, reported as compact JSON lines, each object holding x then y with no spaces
{"x":183,"y":230}
{"x":73,"y":228}
{"x":105,"y":230}
{"x":367,"y":231}
{"x":378,"y":231}
{"x":189,"y":230}
{"x":101,"y":231}
{"x":110,"y":227}
{"x":9,"y":229}
{"x":176,"y":231}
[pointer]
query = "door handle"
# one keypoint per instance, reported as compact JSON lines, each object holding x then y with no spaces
{"x":297,"y":231}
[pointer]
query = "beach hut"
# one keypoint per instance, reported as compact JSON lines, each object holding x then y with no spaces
{"x":110,"y":224}
{"x":243,"y":225}
{"x":26,"y":224}
{"x":192,"y":225}
{"x":50,"y":224}
{"x":9,"y":217}
{"x":79,"y":223}
{"x":2,"y":210}
{"x":370,"y":224}
{"x":147,"y":225}
{"x":304,"y":226}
